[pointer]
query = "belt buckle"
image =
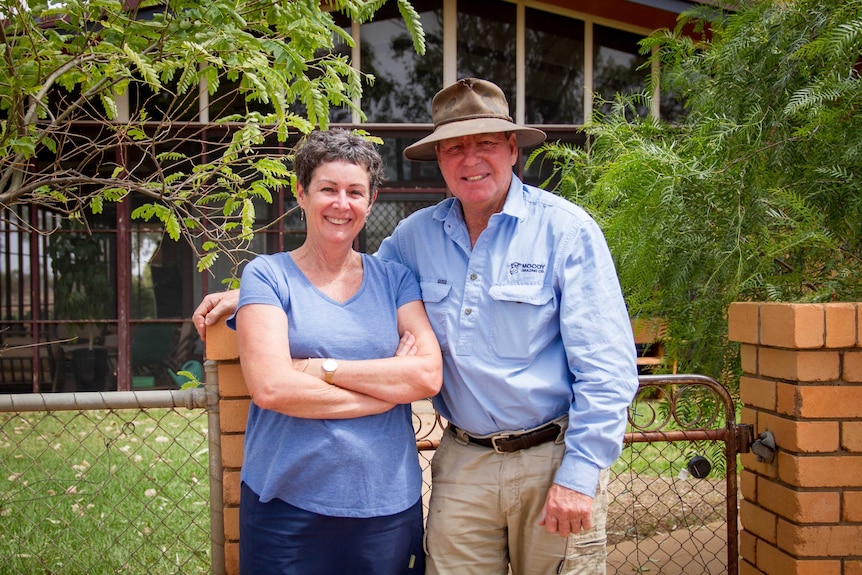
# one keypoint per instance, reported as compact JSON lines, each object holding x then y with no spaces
{"x":497,"y":438}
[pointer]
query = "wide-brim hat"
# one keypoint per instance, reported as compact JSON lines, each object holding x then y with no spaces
{"x":467,"y":107}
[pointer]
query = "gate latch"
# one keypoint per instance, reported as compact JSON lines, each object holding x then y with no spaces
{"x":764,"y":448}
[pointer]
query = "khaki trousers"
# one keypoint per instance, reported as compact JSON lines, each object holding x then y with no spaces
{"x":484,"y":512}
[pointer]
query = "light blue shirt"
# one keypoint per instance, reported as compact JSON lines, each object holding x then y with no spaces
{"x":531,"y":321}
{"x":358,"y":467}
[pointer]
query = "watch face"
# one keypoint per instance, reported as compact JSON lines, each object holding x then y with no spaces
{"x":329,"y":365}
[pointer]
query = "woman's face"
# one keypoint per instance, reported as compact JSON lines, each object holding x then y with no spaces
{"x":337,"y":201}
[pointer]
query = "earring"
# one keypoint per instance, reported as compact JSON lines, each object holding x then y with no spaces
{"x":301,"y":215}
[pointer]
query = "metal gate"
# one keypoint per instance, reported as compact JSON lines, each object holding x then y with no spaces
{"x":674,"y":490}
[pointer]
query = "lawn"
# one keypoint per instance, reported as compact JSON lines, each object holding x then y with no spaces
{"x":96,"y":492}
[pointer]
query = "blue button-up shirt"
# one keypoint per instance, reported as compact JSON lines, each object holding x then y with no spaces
{"x":531,"y":321}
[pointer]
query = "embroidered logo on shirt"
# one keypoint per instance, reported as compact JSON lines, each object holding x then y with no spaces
{"x":516,"y":268}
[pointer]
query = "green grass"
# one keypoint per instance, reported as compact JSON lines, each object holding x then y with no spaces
{"x":104,"y":492}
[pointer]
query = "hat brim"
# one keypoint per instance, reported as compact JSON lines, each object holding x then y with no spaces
{"x":424,"y":149}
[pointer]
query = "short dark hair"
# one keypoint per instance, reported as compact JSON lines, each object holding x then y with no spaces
{"x":335,"y":145}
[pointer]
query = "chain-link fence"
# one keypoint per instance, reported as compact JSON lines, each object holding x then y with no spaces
{"x":388,"y":211}
{"x":104,"y":483}
{"x":120,"y":482}
{"x":673,"y":491}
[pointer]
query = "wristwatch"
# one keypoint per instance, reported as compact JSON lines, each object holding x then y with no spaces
{"x":329,"y":366}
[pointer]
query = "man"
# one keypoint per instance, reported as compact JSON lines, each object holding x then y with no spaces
{"x":538,"y":354}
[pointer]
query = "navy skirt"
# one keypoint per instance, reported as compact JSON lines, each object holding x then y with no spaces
{"x":278,"y":538}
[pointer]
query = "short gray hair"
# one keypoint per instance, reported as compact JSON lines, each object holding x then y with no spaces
{"x":322,"y":146}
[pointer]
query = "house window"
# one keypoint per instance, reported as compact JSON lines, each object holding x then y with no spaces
{"x":404,"y":82}
{"x":554,"y":57}
{"x":617,"y":65}
{"x":486,"y":43}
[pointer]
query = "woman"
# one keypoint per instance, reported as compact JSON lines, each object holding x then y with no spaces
{"x":334,"y":345}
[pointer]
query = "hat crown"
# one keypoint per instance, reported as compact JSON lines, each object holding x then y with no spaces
{"x":468,"y":99}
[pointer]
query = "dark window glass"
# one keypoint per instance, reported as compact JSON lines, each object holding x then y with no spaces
{"x":541,"y":170}
{"x":162,"y":272}
{"x":166,"y":103}
{"x":83,"y":267}
{"x":404,"y":81}
{"x":401,"y":172}
{"x":486,"y":43}
{"x":230,"y":100}
{"x":617,"y":65}
{"x":60,"y":101}
{"x":554,"y":69}
{"x":673,"y":109}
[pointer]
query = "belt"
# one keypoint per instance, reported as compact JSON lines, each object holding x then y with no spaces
{"x":510,"y":443}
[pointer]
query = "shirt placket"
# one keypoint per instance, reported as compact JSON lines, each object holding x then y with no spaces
{"x":470,"y":312}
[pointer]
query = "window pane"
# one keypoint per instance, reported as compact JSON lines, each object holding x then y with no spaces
{"x":401,"y":172}
{"x":166,"y":103}
{"x":161,"y":276}
{"x":83,"y":265}
{"x":404,"y":81}
{"x":541,"y":171}
{"x":554,"y":69}
{"x":230,"y":100}
{"x":615,"y":65}
{"x":486,"y":43}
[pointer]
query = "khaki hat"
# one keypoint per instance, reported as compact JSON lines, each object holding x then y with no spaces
{"x":467,"y":107}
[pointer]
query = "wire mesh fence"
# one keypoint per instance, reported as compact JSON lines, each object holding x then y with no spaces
{"x":660,"y":523}
{"x":127,"y":489}
{"x":104,"y":491}
{"x":673,"y":495}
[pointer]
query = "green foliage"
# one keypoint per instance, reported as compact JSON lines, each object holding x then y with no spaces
{"x":72,"y":61}
{"x":756,"y":194}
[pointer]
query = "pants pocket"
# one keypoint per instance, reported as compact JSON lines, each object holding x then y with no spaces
{"x":586,"y":554}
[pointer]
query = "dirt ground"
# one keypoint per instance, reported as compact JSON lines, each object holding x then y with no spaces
{"x":643,"y":506}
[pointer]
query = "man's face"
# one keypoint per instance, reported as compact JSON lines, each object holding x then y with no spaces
{"x":478,"y":168}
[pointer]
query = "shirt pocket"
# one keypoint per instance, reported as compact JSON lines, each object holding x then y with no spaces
{"x":521,"y":315}
{"x":435,"y":296}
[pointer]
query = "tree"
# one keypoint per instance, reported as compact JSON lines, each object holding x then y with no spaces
{"x":69,"y":146}
{"x":756,"y":194}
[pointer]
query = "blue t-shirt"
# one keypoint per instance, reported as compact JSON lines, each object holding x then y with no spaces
{"x":360,"y":467}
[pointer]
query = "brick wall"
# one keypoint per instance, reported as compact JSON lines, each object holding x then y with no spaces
{"x":802,"y":364}
{"x":233,"y":411}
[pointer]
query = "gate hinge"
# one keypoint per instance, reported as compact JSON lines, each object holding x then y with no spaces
{"x":743,"y":436}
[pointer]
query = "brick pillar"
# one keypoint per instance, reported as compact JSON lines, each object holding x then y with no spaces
{"x":802,"y":380}
{"x":233,"y":409}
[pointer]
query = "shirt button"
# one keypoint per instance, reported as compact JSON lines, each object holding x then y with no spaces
{"x":468,"y":311}
{"x":473,"y":277}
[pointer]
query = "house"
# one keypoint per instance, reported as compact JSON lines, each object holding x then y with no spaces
{"x":131,"y":321}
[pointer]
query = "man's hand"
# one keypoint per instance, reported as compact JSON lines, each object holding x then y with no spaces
{"x":406,"y":345}
{"x":214,"y":306}
{"x":566,"y":511}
